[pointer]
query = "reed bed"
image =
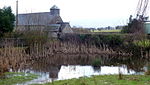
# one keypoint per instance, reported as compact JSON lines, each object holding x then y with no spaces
{"x":58,"y":47}
{"x":12,"y":58}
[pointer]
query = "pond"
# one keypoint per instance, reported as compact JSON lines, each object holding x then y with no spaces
{"x":58,"y":68}
{"x":76,"y":71}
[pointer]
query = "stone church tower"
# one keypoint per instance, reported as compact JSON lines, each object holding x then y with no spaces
{"x":55,"y":11}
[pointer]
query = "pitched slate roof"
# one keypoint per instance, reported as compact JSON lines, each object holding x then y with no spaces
{"x":44,"y":18}
{"x":63,"y":25}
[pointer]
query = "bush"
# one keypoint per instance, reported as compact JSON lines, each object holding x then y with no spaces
{"x":13,"y":35}
{"x":96,"y":62}
{"x":37,"y":37}
{"x":112,"y":40}
{"x":143,"y":43}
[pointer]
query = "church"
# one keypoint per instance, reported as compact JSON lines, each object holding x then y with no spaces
{"x":50,"y":22}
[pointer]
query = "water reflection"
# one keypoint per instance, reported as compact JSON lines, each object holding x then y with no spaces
{"x":68,"y":72}
{"x":62,"y":67}
{"x":97,"y":68}
{"x":46,"y":75}
{"x":76,"y":71}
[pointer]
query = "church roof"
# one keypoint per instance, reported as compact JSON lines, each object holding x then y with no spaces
{"x":44,"y":18}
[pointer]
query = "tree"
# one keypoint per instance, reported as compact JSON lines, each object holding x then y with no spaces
{"x":136,"y":26}
{"x":7,"y":19}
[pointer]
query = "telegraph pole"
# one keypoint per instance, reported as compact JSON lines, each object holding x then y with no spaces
{"x":16,"y":14}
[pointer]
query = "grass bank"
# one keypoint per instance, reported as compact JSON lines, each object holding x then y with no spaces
{"x":12,"y":78}
{"x":116,"y":30}
{"x":105,"y":80}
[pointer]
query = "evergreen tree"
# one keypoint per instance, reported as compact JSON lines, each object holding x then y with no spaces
{"x":7,"y":19}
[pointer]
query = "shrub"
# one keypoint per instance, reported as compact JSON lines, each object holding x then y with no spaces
{"x":37,"y":37}
{"x":13,"y":35}
{"x":96,"y":62}
{"x":143,"y":43}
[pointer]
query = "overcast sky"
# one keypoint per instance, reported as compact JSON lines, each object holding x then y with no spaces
{"x":85,"y":13}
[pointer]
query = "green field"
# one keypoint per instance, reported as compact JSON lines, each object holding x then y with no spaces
{"x":105,"y":80}
{"x":106,"y":31}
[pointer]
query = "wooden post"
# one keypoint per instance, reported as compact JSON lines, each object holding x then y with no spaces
{"x":16,"y":14}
